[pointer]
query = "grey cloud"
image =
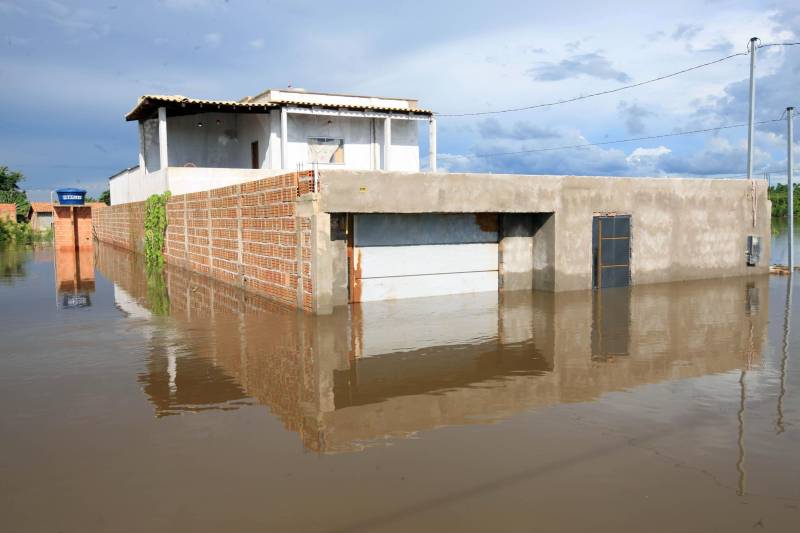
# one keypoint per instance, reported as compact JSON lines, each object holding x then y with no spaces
{"x":718,"y":157}
{"x":720,"y":47}
{"x":633,"y":115}
{"x":592,"y":64}
{"x":686,"y":31}
{"x":491,"y":128}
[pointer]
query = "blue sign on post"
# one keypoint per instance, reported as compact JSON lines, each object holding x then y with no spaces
{"x":71,"y":196}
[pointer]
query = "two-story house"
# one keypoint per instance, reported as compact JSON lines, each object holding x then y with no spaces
{"x":189,"y":145}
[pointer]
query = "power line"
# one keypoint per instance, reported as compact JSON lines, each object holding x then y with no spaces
{"x":601,"y":93}
{"x":777,"y":44}
{"x":611,"y":91}
{"x":619,"y":141}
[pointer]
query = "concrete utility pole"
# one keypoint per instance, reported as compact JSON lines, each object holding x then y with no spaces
{"x":753,"y":47}
{"x":790,"y":182}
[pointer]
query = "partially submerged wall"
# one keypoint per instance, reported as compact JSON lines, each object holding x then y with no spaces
{"x":682,"y":228}
{"x":248,"y":235}
{"x":72,"y":227}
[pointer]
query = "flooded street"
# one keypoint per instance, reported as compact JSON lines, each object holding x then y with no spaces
{"x":179,"y":403}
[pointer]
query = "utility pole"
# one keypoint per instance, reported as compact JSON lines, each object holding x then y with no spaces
{"x":750,"y":132}
{"x":790,"y":183}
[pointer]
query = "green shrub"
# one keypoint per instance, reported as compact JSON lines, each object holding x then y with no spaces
{"x":155,"y":230}
{"x":22,"y":233}
{"x":19,"y":198}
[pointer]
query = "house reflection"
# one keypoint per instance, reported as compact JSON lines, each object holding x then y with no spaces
{"x":74,"y":282}
{"x":390,"y":369}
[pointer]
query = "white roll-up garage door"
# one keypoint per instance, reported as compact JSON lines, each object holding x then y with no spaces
{"x":409,"y":256}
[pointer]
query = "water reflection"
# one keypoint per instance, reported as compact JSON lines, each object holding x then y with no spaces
{"x":74,"y":271}
{"x":390,"y":369}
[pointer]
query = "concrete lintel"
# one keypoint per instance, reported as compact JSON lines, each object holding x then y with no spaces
{"x":398,"y":115}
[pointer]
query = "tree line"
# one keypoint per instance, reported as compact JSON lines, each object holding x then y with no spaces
{"x":779,"y":196}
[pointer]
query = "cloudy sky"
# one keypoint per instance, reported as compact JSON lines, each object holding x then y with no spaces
{"x":70,"y":70}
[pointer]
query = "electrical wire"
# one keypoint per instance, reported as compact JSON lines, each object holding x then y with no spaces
{"x":600,"y":93}
{"x":777,"y":44}
{"x":619,"y":141}
{"x":611,"y":91}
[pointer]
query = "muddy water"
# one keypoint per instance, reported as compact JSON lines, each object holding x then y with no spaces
{"x":180,"y":404}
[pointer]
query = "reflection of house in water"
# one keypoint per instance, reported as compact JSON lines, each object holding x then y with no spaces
{"x":74,"y":277}
{"x":389,"y":369}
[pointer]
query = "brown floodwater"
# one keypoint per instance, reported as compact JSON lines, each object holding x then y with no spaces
{"x":176,"y":403}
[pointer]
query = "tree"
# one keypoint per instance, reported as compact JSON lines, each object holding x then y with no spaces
{"x":779,"y":196}
{"x":10,"y":193}
{"x":9,"y":179}
{"x":105,"y":197}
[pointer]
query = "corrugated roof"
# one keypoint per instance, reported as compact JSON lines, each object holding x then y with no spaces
{"x":148,"y":104}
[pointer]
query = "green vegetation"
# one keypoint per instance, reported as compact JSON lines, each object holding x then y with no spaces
{"x":22,"y":233}
{"x":9,"y":179}
{"x":16,"y":197}
{"x":778,"y":195}
{"x":10,"y":193}
{"x":157,"y":294}
{"x":155,"y":229}
{"x":105,"y":197}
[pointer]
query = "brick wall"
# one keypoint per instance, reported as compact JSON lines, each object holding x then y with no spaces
{"x":247,"y":234}
{"x":8,"y":211}
{"x":71,"y":223}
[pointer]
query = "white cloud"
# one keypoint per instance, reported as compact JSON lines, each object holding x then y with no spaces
{"x":256,"y":44}
{"x":640,"y":155}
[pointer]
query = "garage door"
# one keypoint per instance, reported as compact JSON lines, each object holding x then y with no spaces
{"x":409,"y":256}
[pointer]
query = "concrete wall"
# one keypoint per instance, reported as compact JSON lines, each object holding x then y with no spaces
{"x":681,"y":228}
{"x":136,"y":186}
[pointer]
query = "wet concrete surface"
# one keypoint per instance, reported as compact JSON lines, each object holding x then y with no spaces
{"x":176,"y":403}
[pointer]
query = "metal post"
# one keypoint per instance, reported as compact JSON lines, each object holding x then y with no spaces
{"x":790,"y":183}
{"x":751,"y":119}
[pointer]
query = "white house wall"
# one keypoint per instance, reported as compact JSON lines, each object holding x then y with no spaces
{"x":224,"y":141}
{"x":358,"y":141}
{"x":151,"y":151}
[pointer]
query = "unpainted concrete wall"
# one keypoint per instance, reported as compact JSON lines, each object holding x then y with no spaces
{"x":681,"y":228}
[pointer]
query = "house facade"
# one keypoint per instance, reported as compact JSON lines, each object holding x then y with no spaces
{"x":40,"y":215}
{"x":189,"y":145}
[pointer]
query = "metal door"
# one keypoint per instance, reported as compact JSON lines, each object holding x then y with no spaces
{"x":611,"y":251}
{"x":396,"y":256}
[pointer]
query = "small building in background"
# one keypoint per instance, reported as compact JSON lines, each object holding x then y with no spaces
{"x":40,"y":215}
{"x":8,"y":212}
